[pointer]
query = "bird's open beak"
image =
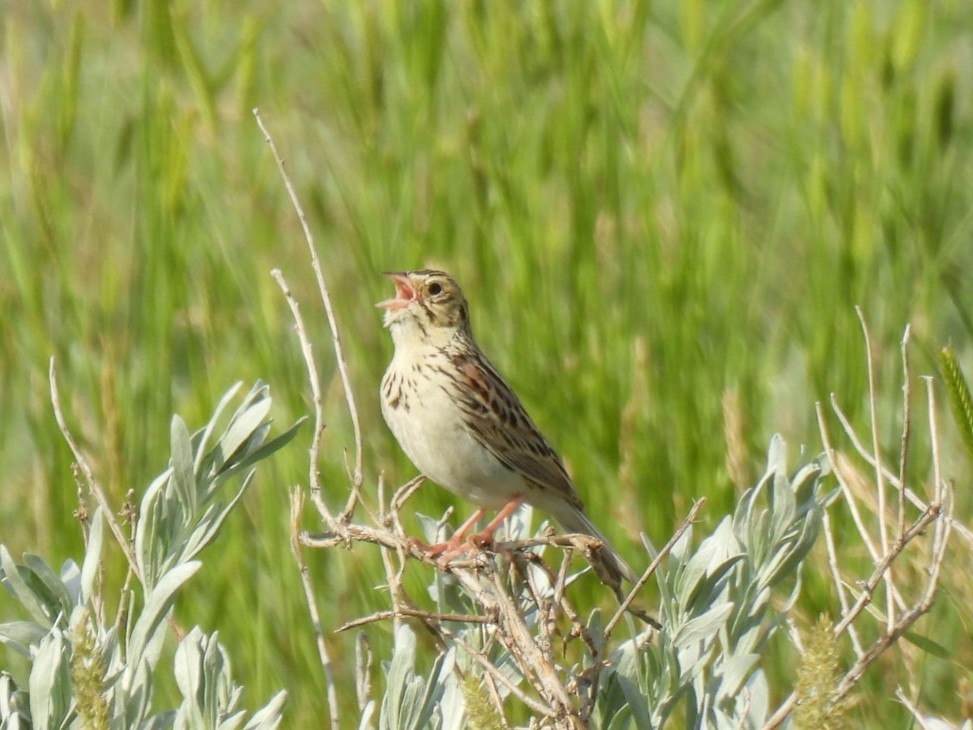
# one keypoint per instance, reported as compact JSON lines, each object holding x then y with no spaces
{"x":404,"y":293}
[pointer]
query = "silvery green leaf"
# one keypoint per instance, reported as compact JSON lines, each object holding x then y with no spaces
{"x":183,"y":479}
{"x":92,"y":556}
{"x":202,"y":670}
{"x":231,"y":722}
{"x":783,"y":506}
{"x":733,"y":671}
{"x":703,"y":626}
{"x":452,"y":706}
{"x":14,"y":705}
{"x":627,"y":674}
{"x":201,"y":439}
{"x":693,"y":571}
{"x":253,"y":455}
{"x":805,"y":481}
{"x":935,"y":723}
{"x":270,"y":715}
{"x":47,"y":586}
{"x":189,"y":716}
{"x":749,"y":630}
{"x":365,"y":722}
{"x":649,"y":546}
{"x":8,"y":691}
{"x":208,"y":526}
{"x":398,"y":676}
{"x":21,"y":635}
{"x":430,"y":528}
{"x":133,"y":693}
{"x":433,"y":690}
{"x":509,"y":669}
{"x":777,"y":455}
{"x":715,"y":582}
{"x":680,"y":550}
{"x":70,"y":578}
{"x":242,"y":429}
{"x":757,"y":694}
{"x":717,"y":554}
{"x":50,"y":682}
{"x":151,"y":526}
{"x":518,"y":524}
{"x":406,"y":704}
{"x":611,"y":709}
{"x":157,"y":605}
{"x":162,"y":721}
{"x":14,"y":581}
{"x":258,"y":391}
{"x":187,"y":663}
{"x":795,"y":593}
{"x":720,"y":720}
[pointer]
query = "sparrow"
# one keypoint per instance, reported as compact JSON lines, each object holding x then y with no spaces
{"x":462,"y":426}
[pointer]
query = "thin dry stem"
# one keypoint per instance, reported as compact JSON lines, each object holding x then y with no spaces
{"x":906,"y":420}
{"x":357,"y":477}
{"x":93,"y":485}
{"x":914,"y":499}
{"x":363,"y":671}
{"x":644,"y":579}
{"x":467,"y":618}
{"x":910,"y":706}
{"x":297,"y":506}
{"x":938,"y":515}
{"x":839,"y":585}
{"x":879,"y":476}
{"x":316,"y":399}
{"x":873,"y":551}
{"x":497,"y":675}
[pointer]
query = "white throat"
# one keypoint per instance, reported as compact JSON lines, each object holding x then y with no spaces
{"x":412,"y":335}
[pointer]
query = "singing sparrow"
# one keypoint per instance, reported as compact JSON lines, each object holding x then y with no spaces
{"x":463,"y":427}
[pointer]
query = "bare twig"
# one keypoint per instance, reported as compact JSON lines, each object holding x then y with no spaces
{"x":906,"y":420}
{"x":936,"y":514}
{"x":468,"y":618}
{"x":879,"y":476}
{"x":401,"y":496}
{"x":500,"y":677}
{"x":910,"y":706}
{"x":873,"y":551}
{"x":326,"y":300}
{"x":640,"y":584}
{"x":839,"y":585}
{"x":363,"y":671}
{"x":892,"y":479}
{"x":317,"y":401}
{"x":89,"y":476}
{"x":297,"y":506}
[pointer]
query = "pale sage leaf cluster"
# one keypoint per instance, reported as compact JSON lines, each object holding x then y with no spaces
{"x":88,"y":672}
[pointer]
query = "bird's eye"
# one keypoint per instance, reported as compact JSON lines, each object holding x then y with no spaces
{"x":435,"y":289}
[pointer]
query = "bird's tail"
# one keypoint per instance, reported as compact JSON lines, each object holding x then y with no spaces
{"x":606,"y":562}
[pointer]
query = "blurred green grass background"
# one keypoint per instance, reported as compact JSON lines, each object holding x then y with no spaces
{"x":663,"y":215}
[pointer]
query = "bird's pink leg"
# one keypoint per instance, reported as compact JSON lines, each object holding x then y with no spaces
{"x":452,"y":545}
{"x":485,"y":536}
{"x":455,"y":545}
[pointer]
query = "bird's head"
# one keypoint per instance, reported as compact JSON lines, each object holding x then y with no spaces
{"x":428,"y":307}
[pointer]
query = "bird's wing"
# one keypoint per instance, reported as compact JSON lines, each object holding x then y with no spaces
{"x":496,"y":418}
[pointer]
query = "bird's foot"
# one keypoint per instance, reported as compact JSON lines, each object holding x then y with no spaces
{"x":482,"y":540}
{"x":442,"y":552}
{"x":433,"y":550}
